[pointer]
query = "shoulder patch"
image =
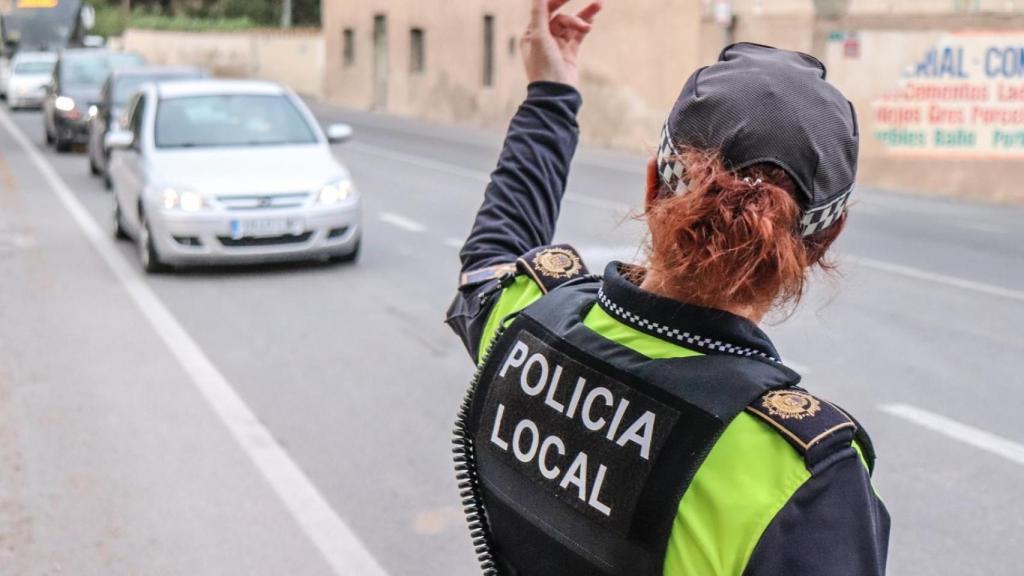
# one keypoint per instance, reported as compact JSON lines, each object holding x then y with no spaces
{"x":815,"y":427}
{"x":552,"y":266}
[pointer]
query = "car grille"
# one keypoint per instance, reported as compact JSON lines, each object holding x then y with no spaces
{"x":246,"y":241}
{"x":264,"y":201}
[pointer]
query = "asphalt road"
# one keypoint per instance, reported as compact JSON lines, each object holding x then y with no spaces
{"x":114,"y":453}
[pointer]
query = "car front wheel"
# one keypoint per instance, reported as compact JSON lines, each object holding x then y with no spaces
{"x":147,"y":250}
{"x":119,"y":231}
{"x":93,"y":168}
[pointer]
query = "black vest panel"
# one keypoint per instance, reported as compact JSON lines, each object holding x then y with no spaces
{"x":574,"y":451}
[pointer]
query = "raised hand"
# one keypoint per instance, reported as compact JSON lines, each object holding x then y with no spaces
{"x":551,"y":43}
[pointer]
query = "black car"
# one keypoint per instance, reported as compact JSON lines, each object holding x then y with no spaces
{"x":75,"y":89}
{"x":114,"y":97}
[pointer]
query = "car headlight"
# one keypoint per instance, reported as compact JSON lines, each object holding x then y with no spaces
{"x":94,"y":111}
{"x":64,"y":103}
{"x":335,"y":192}
{"x":184,"y":200}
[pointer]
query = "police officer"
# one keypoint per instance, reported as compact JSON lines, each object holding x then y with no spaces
{"x":640,"y":423}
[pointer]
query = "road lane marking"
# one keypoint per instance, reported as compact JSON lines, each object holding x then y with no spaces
{"x":625,"y":208}
{"x":585,"y":200}
{"x":402,"y":222}
{"x":453,"y":242}
{"x":952,"y":281}
{"x":477,"y":176}
{"x":970,"y":435}
{"x":984,"y":227}
{"x":422,"y":162}
{"x":341,"y":548}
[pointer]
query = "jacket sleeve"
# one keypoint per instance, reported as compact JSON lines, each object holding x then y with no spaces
{"x":520,"y":209}
{"x":834,"y":524}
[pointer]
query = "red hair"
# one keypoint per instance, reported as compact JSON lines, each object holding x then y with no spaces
{"x":727,"y":242}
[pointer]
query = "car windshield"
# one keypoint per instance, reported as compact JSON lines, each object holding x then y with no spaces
{"x":92,"y":70}
{"x":34,"y":67}
{"x":125,"y":86}
{"x":230,"y":120}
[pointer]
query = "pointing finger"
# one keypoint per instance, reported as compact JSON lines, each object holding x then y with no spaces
{"x":567,"y":22}
{"x":588,"y":13}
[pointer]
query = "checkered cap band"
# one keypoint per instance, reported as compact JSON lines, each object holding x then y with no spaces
{"x":670,"y":166}
{"x":671,"y":171}
{"x":820,"y":218}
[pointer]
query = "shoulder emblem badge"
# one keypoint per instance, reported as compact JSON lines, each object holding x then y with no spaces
{"x":558,"y":263}
{"x":815,"y":427}
{"x":790,"y":404}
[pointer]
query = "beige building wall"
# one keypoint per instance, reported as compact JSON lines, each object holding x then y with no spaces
{"x":634,"y":66}
{"x":294,"y":58}
{"x":639,"y":56}
{"x":934,"y":115}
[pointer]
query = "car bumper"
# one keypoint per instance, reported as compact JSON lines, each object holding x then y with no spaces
{"x":206,"y":238}
{"x":76,"y":131}
{"x":17,"y":99}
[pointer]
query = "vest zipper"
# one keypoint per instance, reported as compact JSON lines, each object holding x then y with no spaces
{"x":466,"y":473}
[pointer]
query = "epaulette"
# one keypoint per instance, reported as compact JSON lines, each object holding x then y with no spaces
{"x":817,"y":428}
{"x":552,"y":266}
{"x":482,"y":275}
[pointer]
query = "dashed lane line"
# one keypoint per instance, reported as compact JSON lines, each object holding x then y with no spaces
{"x":399,"y":221}
{"x":341,"y":548}
{"x":585,"y":200}
{"x":936,"y":278}
{"x":422,"y":162}
{"x":453,"y":242}
{"x":950,"y":428}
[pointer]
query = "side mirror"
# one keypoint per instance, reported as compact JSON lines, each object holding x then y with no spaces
{"x":87,"y":16}
{"x":339,"y":133}
{"x":118,"y":140}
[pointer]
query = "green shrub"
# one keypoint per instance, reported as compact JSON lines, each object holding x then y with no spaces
{"x":111,"y":21}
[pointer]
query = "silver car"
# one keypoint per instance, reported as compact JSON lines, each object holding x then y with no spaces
{"x":28,"y":75}
{"x":230,"y":171}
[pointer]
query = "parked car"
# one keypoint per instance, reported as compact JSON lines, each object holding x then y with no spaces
{"x":114,"y":96}
{"x":74,"y":89}
{"x":28,"y":75}
{"x":230,"y":171}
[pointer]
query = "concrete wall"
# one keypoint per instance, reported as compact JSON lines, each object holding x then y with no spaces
{"x":638,"y":58}
{"x":295,"y":58}
{"x":631,"y":73}
{"x":939,"y":110}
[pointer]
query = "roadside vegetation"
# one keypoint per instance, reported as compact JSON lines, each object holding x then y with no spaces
{"x":114,"y":16}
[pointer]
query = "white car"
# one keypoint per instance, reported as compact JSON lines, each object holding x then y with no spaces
{"x":230,"y":171}
{"x":28,"y":75}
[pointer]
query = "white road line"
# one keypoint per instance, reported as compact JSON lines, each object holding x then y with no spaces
{"x":422,"y":162}
{"x":624,"y":208}
{"x":981,"y":439}
{"x":984,"y":227}
{"x":598,"y":202}
{"x":341,"y":548}
{"x":474,"y":175}
{"x":454,"y":243}
{"x":402,"y":222}
{"x":952,"y":281}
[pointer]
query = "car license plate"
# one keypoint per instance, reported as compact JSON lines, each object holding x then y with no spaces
{"x":266,"y":227}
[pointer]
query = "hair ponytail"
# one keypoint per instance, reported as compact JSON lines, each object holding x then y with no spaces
{"x":732,"y":239}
